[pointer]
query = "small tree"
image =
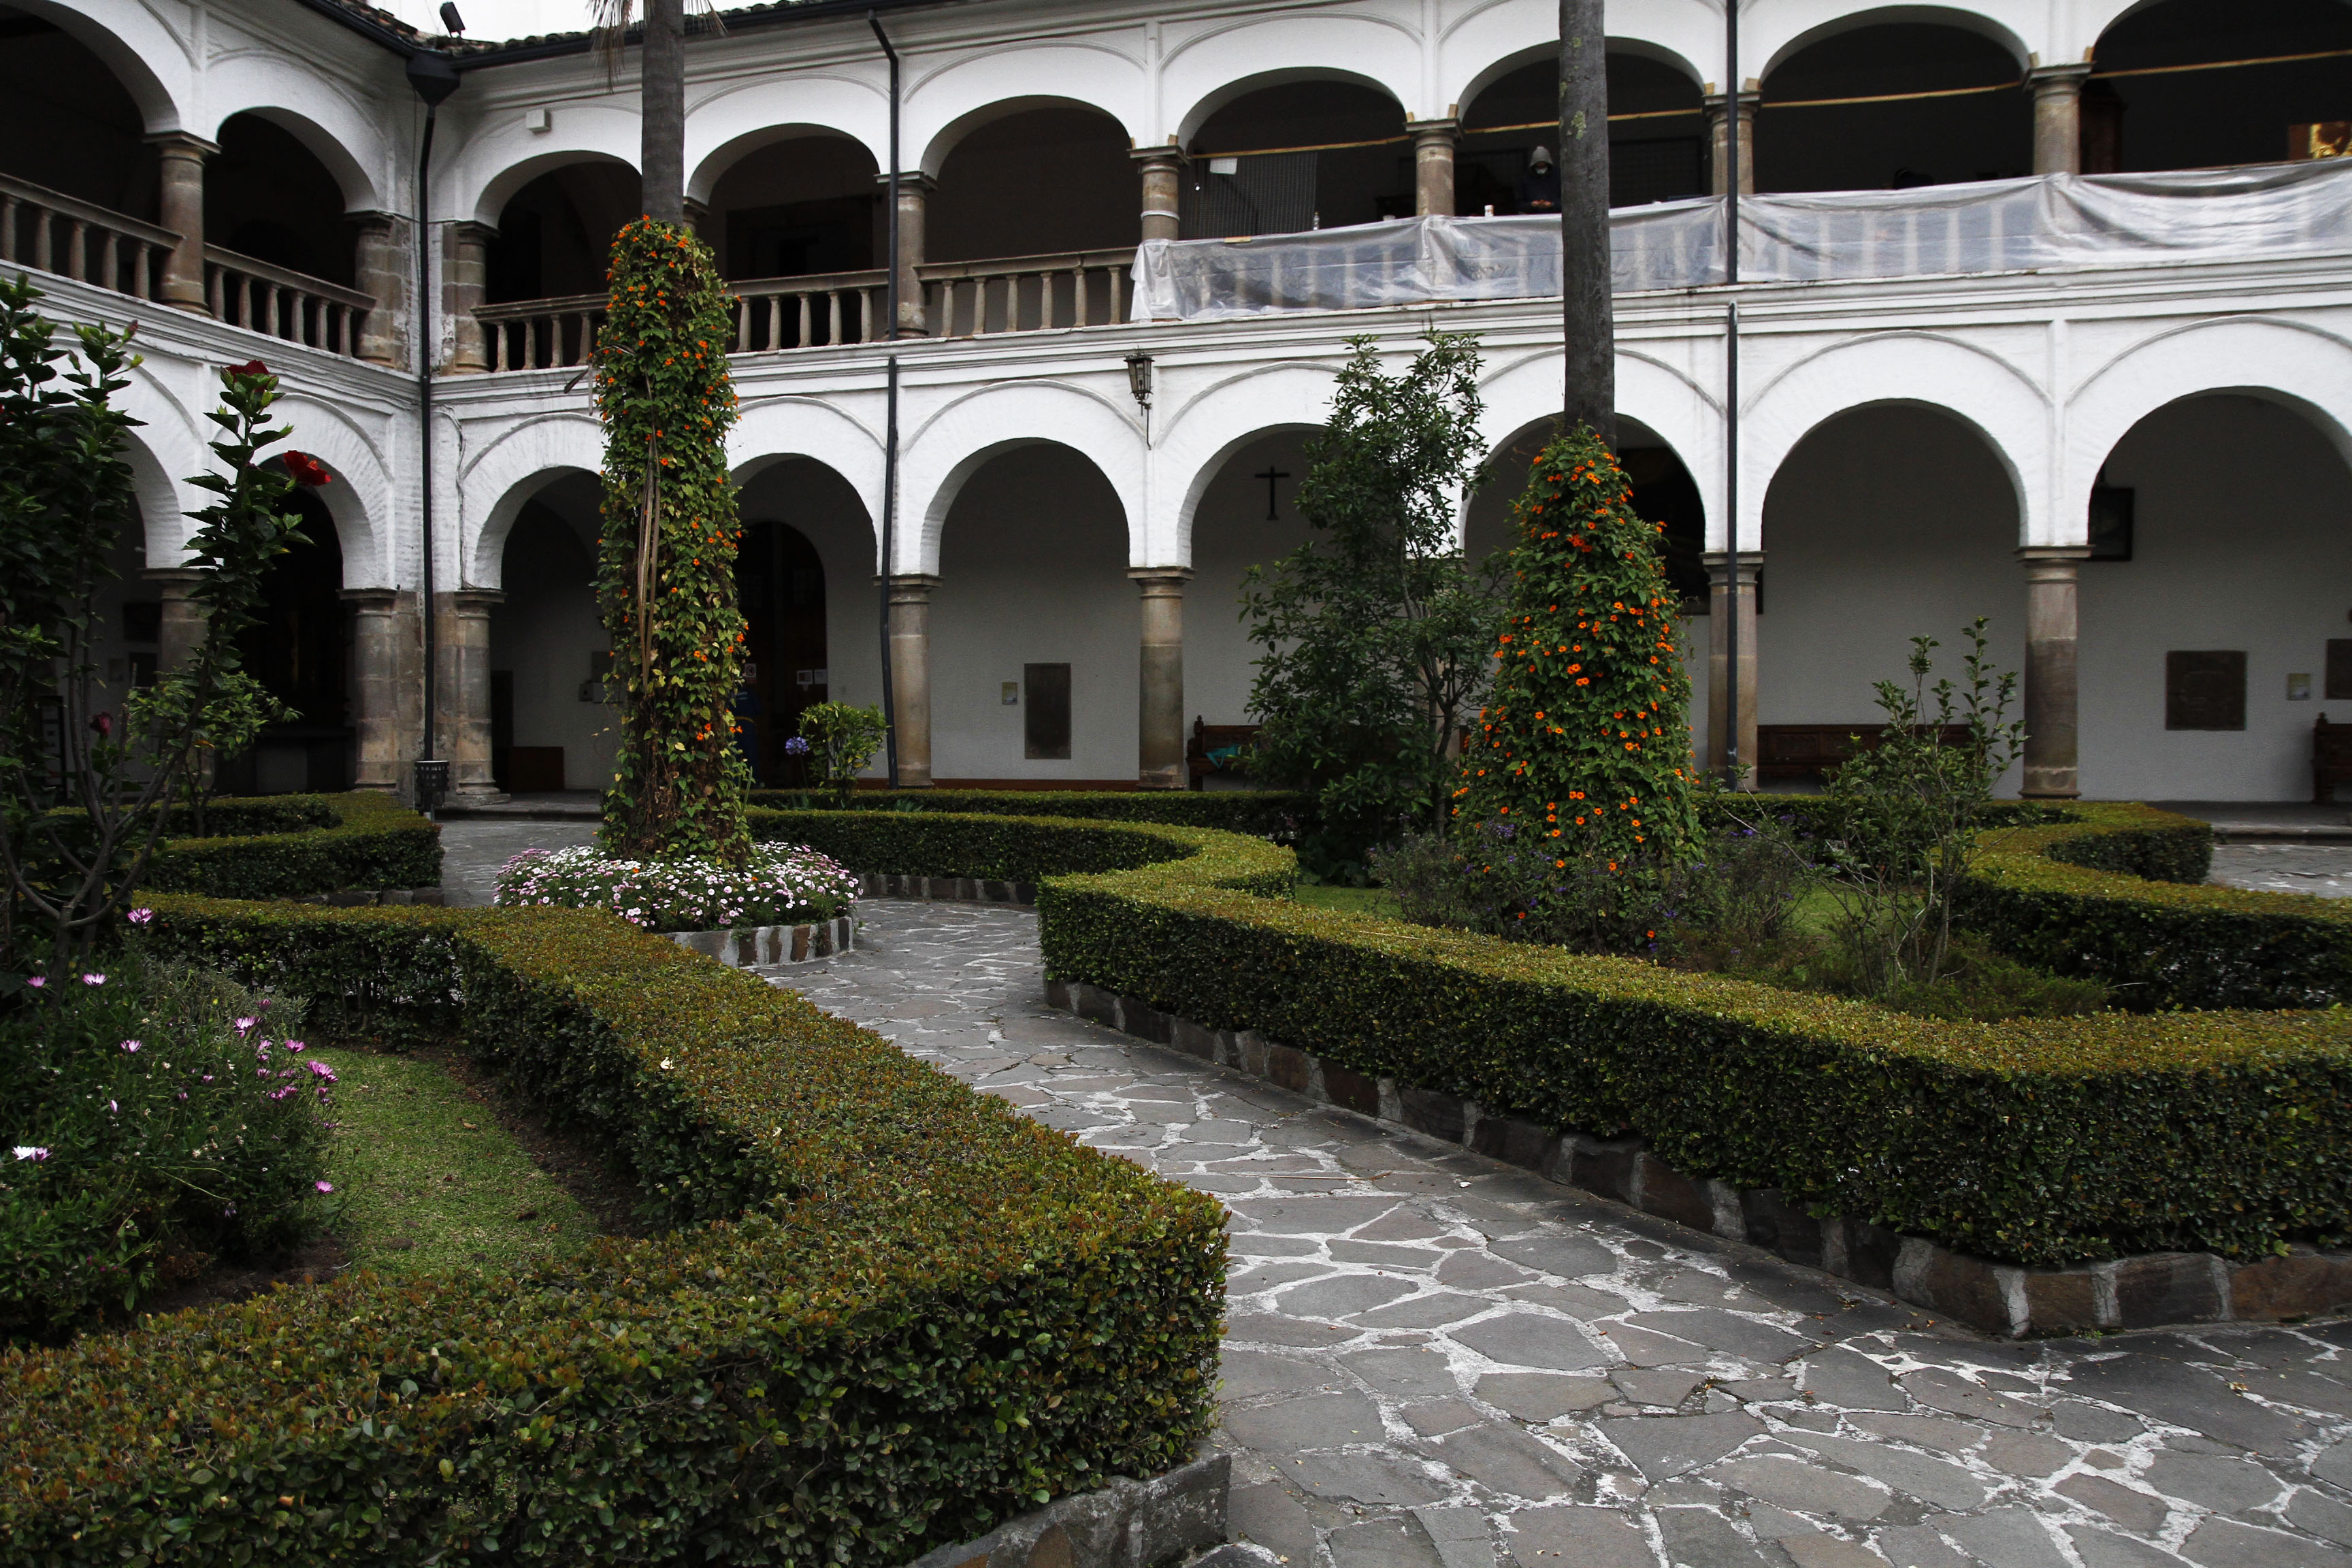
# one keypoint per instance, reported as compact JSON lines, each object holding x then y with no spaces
{"x":1374,"y":631}
{"x":1584,"y":743}
{"x":665,"y":565}
{"x":84,"y":795}
{"x":1908,"y":810}
{"x":842,"y":738}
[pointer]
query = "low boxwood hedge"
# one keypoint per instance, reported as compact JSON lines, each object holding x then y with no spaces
{"x":289,"y":846}
{"x":2118,"y":894}
{"x":894,"y":1311}
{"x":1282,"y":815}
{"x":954,"y":844}
{"x":2039,"y":1142}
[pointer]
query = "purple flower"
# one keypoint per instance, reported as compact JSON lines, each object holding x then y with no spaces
{"x":245,"y":1024}
{"x":37,"y":981}
{"x":130,"y":1046}
{"x":324,"y":1186}
{"x":142,"y":916}
{"x":32,"y":1153}
{"x":93,"y":980}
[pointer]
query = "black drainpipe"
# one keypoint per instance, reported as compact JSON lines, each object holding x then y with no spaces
{"x":434,"y":78}
{"x":890,"y":417}
{"x":1732,"y":760}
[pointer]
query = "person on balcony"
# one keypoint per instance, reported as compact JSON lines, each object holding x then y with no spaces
{"x":1539,"y":186}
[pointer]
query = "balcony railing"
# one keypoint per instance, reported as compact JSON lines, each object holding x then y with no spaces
{"x":246,"y":292}
{"x":961,"y":298}
{"x":56,"y":233}
{"x":1027,"y":293}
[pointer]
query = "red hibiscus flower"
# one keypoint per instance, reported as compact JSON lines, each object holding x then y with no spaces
{"x":250,"y":367}
{"x":306,"y":470}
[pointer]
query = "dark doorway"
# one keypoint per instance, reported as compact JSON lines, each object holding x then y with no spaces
{"x":67,"y":123}
{"x":299,"y":650}
{"x":1665,"y":492}
{"x":2141,"y":112}
{"x":1894,"y":105}
{"x":1656,"y":126}
{"x":780,"y":583}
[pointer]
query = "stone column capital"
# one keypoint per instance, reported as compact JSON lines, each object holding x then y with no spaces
{"x":473,"y":231}
{"x":180,"y":577}
{"x":2060,"y":78}
{"x":1447,"y":128}
{"x":2051,"y":563}
{"x":475,"y":601}
{"x":370,"y":600}
{"x":1720,"y":565}
{"x":912,"y":587}
{"x":911,"y":182}
{"x":1160,"y":582}
{"x":181,"y":144}
{"x":376,"y":218}
{"x":1167,"y":152}
{"x":1713,"y":100}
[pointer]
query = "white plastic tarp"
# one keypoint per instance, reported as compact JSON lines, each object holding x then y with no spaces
{"x":2052,"y":221}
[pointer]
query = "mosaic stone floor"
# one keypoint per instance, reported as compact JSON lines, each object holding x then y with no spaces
{"x":2325,"y":869}
{"x":1436,"y":1360}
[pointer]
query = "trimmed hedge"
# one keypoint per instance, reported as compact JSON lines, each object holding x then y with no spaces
{"x":293,"y":846}
{"x":2040,"y":1141}
{"x":2117,"y":895}
{"x":947,"y":843}
{"x":1282,"y":815}
{"x":905,"y":1314}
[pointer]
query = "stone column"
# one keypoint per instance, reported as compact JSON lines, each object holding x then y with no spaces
{"x":183,"y":627}
{"x":697,"y":218}
{"x":380,"y":254}
{"x":465,"y":283}
{"x":180,"y":207}
{"x":1159,"y":696}
{"x":910,"y":675}
{"x":1731,"y":592}
{"x":463,"y":686}
{"x":2058,"y":118}
{"x":913,"y":322}
{"x":1163,"y":173}
{"x":376,"y":654}
{"x":2051,"y":625}
{"x":1718,"y":156}
{"x":1433,"y":166}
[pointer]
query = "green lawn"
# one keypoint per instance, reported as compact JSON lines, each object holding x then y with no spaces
{"x":1360,"y":901}
{"x":430,"y":1183}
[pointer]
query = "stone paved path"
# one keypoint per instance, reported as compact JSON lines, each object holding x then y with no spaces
{"x":472,"y":852}
{"x":1435,"y":1360}
{"x":2322,"y":868}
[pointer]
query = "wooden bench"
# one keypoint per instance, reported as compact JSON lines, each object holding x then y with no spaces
{"x":2331,"y":758}
{"x":1207,"y":738}
{"x":1810,"y":750}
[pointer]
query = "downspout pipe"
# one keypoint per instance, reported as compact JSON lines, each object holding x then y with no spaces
{"x":891,"y":420}
{"x":435,"y":79}
{"x":1732,"y":761}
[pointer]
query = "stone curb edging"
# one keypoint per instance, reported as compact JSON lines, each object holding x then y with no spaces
{"x":1177,"y":1516}
{"x":2137,"y":1292}
{"x":963,"y":889}
{"x":764,"y":945}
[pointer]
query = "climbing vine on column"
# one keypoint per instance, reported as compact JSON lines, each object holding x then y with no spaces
{"x":666,"y":563}
{"x":1584,"y":743}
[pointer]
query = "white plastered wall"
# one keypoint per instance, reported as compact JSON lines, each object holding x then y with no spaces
{"x":2242,"y":540}
{"x":544,"y":631}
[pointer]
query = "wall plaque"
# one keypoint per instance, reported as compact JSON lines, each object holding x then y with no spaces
{"x":2339,"y":669}
{"x":2205,"y":691}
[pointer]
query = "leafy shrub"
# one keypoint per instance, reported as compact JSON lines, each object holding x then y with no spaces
{"x":276,"y":849}
{"x":154,"y":1117}
{"x":1503,"y":881}
{"x":778,"y":884}
{"x":1584,"y":742}
{"x":2063,"y":896}
{"x":842,"y":738}
{"x":896,"y":1313}
{"x":2039,"y":1142}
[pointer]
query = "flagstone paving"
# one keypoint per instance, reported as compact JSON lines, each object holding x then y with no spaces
{"x":1436,"y":1360}
{"x":2325,"y":869}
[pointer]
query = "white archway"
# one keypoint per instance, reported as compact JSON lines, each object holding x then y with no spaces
{"x":1778,"y":29}
{"x":781,"y":429}
{"x":503,"y":156}
{"x":944,"y":107}
{"x":1219,"y":64}
{"x":344,"y":135}
{"x":730,"y":124}
{"x":951,"y":445}
{"x":1212,"y":424}
{"x":493,"y":486}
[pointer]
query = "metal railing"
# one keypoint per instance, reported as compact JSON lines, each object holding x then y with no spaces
{"x":263,"y":297}
{"x":57,"y":233}
{"x":539,"y":334}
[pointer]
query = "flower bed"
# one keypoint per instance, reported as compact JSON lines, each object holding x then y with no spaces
{"x":783,"y":885}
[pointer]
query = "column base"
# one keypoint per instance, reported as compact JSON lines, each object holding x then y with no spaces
{"x":1162,"y":778}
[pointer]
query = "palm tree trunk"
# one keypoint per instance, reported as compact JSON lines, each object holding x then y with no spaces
{"x":1585,"y":307}
{"x":663,"y":64}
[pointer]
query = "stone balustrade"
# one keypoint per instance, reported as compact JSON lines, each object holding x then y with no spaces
{"x":247,"y":291}
{"x":817,"y":311}
{"x":540,"y":334}
{"x":53,"y":232}
{"x":1027,"y":293}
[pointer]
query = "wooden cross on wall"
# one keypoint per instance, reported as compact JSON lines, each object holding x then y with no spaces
{"x":1271,"y":475}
